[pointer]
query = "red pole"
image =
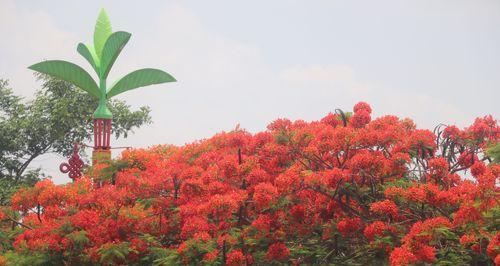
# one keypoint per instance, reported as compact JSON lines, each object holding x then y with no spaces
{"x":99,"y":133}
{"x":102,"y":141}
{"x":95,"y":134}
{"x":109,"y":133}
{"x":105,"y":136}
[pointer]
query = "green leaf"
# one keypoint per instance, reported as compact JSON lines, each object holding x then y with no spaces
{"x":493,"y":151}
{"x":69,"y":72}
{"x":112,"y":49}
{"x":88,"y":53}
{"x":139,"y":78}
{"x":101,"y":32}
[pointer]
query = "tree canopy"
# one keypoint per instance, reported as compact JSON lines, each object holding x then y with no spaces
{"x":344,"y":190}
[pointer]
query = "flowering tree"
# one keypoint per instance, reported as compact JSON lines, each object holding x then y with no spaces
{"x":345,"y":190}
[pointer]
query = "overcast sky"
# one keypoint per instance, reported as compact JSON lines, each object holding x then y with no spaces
{"x":250,"y":62}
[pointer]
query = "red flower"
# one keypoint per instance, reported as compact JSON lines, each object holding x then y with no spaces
{"x":493,"y":248}
{"x":360,"y":119}
{"x":467,"y":214}
{"x":375,"y":229}
{"x":386,"y":207}
{"x":211,"y":256}
{"x":362,"y":106}
{"x":452,"y":132}
{"x":426,"y":253}
{"x":422,"y":235}
{"x":333,"y":120}
{"x":439,"y":168}
{"x":264,"y":195}
{"x":349,"y":226}
{"x":280,"y":124}
{"x":467,"y":159}
{"x":194,"y":225}
{"x":402,"y":257}
{"x":485,"y":127}
{"x":478,"y":168}
{"x":235,"y":258}
{"x":262,"y":223}
{"x":278,"y":251}
{"x":467,"y":239}
{"x":298,"y":212}
{"x":361,"y":115}
{"x":422,"y":141}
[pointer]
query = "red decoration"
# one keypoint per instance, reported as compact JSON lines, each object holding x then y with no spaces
{"x":74,"y":165}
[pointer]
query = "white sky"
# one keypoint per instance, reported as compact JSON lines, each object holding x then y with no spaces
{"x":250,"y":62}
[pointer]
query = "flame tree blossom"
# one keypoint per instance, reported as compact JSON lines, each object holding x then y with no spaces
{"x":348,"y":188}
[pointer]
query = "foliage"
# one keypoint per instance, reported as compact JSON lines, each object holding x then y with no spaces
{"x":59,"y":116}
{"x":494,"y":152}
{"x":345,"y":190}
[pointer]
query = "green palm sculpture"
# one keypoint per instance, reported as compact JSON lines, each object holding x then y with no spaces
{"x":101,"y":56}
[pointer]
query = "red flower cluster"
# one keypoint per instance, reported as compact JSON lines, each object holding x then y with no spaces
{"x":361,"y":115}
{"x":385,"y":208}
{"x":235,"y":258}
{"x":349,"y":226}
{"x":277,"y":252}
{"x":423,"y":236}
{"x":375,"y":229}
{"x":344,"y":189}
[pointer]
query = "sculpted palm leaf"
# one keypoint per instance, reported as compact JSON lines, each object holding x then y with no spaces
{"x":69,"y":72}
{"x":112,"y":49}
{"x":89,"y":54}
{"x":102,"y":31}
{"x":139,"y":78}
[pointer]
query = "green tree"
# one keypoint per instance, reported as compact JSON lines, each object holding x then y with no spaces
{"x":58,"y":116}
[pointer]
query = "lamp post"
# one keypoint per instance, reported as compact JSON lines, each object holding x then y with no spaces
{"x":101,"y":55}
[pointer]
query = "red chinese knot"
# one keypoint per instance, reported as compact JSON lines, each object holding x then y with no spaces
{"x":74,"y":165}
